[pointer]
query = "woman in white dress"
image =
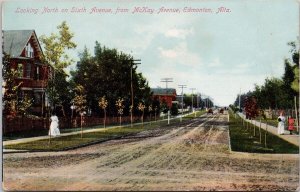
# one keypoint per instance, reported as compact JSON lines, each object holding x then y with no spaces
{"x":281,"y":121}
{"x":54,"y":131}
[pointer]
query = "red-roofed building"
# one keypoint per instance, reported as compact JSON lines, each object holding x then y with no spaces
{"x":167,"y":95}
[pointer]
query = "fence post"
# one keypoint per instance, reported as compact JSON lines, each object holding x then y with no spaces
{"x":254,"y":128}
{"x":266,"y":132}
{"x":168,"y":117}
{"x":260,"y":130}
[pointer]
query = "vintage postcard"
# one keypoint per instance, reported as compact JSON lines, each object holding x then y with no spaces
{"x":136,"y":95}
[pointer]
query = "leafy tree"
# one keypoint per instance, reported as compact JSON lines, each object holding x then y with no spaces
{"x":58,"y":91}
{"x":120,"y":107}
{"x":295,"y":52}
{"x":156,"y":106}
{"x":187,"y":100}
{"x":107,"y":72}
{"x":103,"y":105}
{"x":251,"y":108}
{"x":243,"y":97}
{"x":278,"y":93}
{"x":269,"y":95}
{"x":24,"y":106}
{"x":55,"y":47}
{"x":164,"y":107}
{"x":295,"y":83}
{"x":174,"y":109}
{"x":10,"y":97}
{"x":150,"y":110}
{"x":288,"y":78}
{"x":141,"y":107}
{"x":80,"y":103}
{"x":295,"y":57}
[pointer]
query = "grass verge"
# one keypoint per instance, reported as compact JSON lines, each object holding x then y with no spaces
{"x":75,"y":141}
{"x":243,"y":139}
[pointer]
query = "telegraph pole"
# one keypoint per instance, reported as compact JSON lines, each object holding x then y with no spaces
{"x":198,"y":94}
{"x":240,"y":100}
{"x":133,"y":62}
{"x":182,"y":86}
{"x":166,"y":80}
{"x":192,"y":98}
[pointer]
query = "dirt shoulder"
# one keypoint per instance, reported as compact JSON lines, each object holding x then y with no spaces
{"x":194,"y":155}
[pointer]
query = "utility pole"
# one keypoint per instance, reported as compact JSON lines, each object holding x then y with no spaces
{"x":133,"y":62}
{"x":192,"y":98}
{"x":240,"y":100}
{"x":166,"y":80}
{"x":182,"y":86}
{"x":198,"y":95}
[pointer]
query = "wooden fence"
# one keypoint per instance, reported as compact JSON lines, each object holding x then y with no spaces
{"x":25,"y":123}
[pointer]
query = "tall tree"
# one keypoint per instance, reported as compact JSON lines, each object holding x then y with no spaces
{"x":295,"y":83}
{"x":55,"y":48}
{"x":288,"y":78}
{"x":108,"y":73}
{"x":251,"y":107}
{"x":103,"y":105}
{"x":80,"y":103}
{"x":295,"y":57}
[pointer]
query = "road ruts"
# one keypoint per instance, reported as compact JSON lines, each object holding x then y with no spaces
{"x":192,"y":155}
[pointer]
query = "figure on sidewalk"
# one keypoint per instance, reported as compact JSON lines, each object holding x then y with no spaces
{"x":291,"y":123}
{"x":54,"y":130}
{"x":281,"y":121}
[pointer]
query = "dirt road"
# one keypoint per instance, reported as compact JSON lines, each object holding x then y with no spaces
{"x":193,"y":155}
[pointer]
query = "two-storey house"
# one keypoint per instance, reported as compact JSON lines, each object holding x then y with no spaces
{"x":26,"y":54}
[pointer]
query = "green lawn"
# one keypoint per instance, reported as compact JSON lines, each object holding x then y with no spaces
{"x":272,"y":122}
{"x":73,"y":141}
{"x":244,"y":140}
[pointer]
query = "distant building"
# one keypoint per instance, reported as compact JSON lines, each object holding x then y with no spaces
{"x":168,"y":95}
{"x":25,"y":53}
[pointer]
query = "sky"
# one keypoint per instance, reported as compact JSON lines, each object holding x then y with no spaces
{"x":218,"y":54}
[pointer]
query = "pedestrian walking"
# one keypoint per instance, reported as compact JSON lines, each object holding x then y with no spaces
{"x":281,"y":121}
{"x":291,"y":123}
{"x":54,"y":130}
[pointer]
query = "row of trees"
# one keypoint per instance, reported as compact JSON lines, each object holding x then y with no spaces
{"x":107,"y":73}
{"x":275,"y":93}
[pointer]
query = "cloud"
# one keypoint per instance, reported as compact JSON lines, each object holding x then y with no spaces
{"x":179,"y":55}
{"x":215,"y":63}
{"x":179,"y":33}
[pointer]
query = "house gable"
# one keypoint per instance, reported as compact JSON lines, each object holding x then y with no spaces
{"x":15,"y":42}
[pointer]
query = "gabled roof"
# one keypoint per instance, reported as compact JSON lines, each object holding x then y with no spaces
{"x":16,"y":40}
{"x":163,"y":91}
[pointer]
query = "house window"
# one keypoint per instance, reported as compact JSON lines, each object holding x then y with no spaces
{"x":29,"y":50}
{"x":37,"y":98}
{"x":28,"y":70}
{"x":37,"y":73}
{"x":20,"y":70}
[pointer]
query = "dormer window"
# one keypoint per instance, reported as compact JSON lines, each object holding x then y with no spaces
{"x":29,"y":50}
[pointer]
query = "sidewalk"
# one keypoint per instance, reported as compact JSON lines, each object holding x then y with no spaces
{"x":25,"y":140}
{"x":294,"y":139}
